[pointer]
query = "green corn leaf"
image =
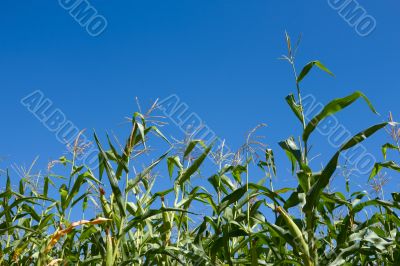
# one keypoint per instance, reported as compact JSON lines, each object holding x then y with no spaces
{"x":76,"y":187}
{"x":333,"y":107}
{"x":172,"y":162}
{"x":216,"y":182}
{"x":309,"y":66}
{"x":140,"y":177}
{"x":47,"y":180}
{"x":45,"y":221}
{"x":21,"y":187}
{"x":150,"y":213}
{"x":374,"y":202}
{"x":237,"y":172}
{"x":31,"y":211}
{"x":295,"y":107}
{"x":388,"y":146}
{"x":186,"y":174}
{"x":64,"y":194}
{"x":231,"y":198}
{"x":130,"y":144}
{"x":292,"y":151}
{"x":297,"y":197}
{"x":208,"y":198}
{"x":111,"y":178}
{"x":113,"y":155}
{"x":323,"y":178}
{"x":273,"y":195}
{"x":192,"y":145}
{"x":378,"y":167}
{"x":159,"y":133}
{"x":83,"y":197}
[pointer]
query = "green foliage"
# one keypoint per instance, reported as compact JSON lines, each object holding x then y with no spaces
{"x":244,"y":223}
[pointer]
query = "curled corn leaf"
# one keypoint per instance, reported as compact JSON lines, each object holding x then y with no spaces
{"x":60,"y":233}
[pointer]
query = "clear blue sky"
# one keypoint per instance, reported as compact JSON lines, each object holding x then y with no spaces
{"x":220,"y":57}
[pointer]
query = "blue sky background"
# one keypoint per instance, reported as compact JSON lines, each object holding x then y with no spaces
{"x":220,"y":57}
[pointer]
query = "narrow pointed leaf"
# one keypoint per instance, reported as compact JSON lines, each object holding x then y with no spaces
{"x":333,"y":107}
{"x":378,"y":167}
{"x":111,"y":177}
{"x":309,"y":66}
{"x":325,"y":176}
{"x":186,"y":174}
{"x":295,"y":107}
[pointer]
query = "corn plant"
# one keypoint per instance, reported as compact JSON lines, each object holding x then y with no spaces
{"x":243,"y":222}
